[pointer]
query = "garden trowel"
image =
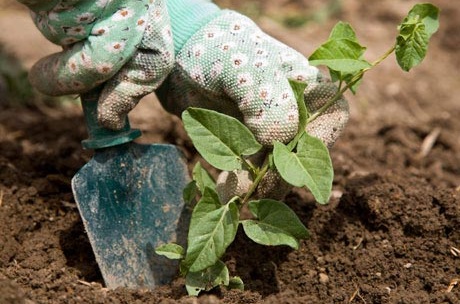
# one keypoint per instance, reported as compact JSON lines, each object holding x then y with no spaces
{"x":130,"y":199}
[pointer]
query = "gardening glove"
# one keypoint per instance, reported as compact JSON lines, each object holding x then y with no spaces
{"x":126,"y":45}
{"x":224,"y":62}
{"x":327,"y":127}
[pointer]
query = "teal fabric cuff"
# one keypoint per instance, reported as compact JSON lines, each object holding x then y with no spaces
{"x":187,"y":17}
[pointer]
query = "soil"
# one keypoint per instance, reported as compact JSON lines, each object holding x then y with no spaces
{"x":390,"y":234}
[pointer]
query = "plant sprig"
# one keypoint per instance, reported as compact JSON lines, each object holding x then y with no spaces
{"x":343,"y":55}
{"x":226,"y":144}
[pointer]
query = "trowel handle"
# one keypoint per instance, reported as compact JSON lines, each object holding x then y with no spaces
{"x":100,"y":137}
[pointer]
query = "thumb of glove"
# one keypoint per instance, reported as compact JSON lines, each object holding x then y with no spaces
{"x":142,"y":74}
{"x":329,"y":125}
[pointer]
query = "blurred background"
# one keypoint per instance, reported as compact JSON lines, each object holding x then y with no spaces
{"x":387,"y":95}
{"x":302,"y":24}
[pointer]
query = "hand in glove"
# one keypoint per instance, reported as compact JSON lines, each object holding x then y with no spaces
{"x":125,"y":44}
{"x":226,"y":63}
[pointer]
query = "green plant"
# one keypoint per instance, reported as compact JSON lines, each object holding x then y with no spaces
{"x":226,"y":144}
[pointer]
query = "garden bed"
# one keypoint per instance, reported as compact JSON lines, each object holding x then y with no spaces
{"x":390,"y":234}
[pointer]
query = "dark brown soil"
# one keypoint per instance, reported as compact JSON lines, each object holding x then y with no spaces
{"x":391,"y":233}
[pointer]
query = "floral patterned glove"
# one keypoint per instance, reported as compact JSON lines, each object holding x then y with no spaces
{"x":229,"y":65}
{"x":226,"y":63}
{"x":125,"y":44}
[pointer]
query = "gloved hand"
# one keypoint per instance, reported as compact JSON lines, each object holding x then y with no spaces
{"x":226,"y":63}
{"x":124,"y":44}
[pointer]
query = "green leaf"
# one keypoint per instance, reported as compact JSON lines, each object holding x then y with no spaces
{"x":207,"y":279}
{"x":310,"y":166}
{"x":276,"y":224}
{"x":268,"y":235}
{"x":171,"y":251}
{"x":426,"y":13}
{"x":343,"y":65}
{"x":341,"y":55}
{"x":190,"y":192}
{"x":221,"y":140}
{"x":236,"y":283}
{"x":415,"y":32}
{"x":299,"y":91}
{"x":347,"y":78}
{"x":213,"y":228}
{"x":410,"y":52}
{"x":343,"y":30}
{"x":202,"y":177}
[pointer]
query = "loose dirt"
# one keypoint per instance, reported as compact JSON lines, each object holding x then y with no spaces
{"x":390,"y":234}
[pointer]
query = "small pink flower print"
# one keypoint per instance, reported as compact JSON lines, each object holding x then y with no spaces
{"x":123,"y":14}
{"x":260,"y":63}
{"x":53,"y":16}
{"x":141,"y":23}
{"x":244,"y":79}
{"x":236,"y":27}
{"x":98,"y":31}
{"x":66,"y":42}
{"x":212,"y":33}
{"x":157,"y":15}
{"x":227,"y":46}
{"x":86,"y":60}
{"x":261,"y":52}
{"x":76,"y":85}
{"x":115,"y":47}
{"x":104,"y":68}
{"x":197,"y":75}
{"x":198,"y":50}
{"x":265,"y":93}
{"x":239,"y":60}
{"x":299,"y":76}
{"x":73,"y":66}
{"x":285,"y":95}
{"x":85,"y":18}
{"x":75,"y":31}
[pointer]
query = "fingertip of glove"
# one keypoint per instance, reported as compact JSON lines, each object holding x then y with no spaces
{"x":110,"y":121}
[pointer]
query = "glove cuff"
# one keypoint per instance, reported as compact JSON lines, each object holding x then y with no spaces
{"x":187,"y":17}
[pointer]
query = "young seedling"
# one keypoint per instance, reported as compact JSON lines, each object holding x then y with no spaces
{"x":226,"y":143}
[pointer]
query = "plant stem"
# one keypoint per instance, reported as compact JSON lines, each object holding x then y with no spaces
{"x":249,"y":166}
{"x":350,"y":84}
{"x":257,"y":181}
